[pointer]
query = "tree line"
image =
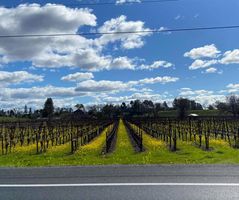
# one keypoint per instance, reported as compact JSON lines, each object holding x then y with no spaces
{"x":135,"y":108}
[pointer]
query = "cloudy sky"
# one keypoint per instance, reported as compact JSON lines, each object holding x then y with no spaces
{"x":200,"y":65}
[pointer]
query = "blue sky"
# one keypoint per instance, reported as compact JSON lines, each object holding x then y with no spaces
{"x":200,"y":65}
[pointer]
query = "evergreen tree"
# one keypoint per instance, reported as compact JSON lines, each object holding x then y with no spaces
{"x":48,"y":109}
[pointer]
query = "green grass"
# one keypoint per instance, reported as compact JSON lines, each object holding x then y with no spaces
{"x":203,"y":113}
{"x":91,"y":154}
{"x":12,"y":119}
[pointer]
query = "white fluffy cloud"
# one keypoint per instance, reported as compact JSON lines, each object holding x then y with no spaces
{"x":205,"y":97}
{"x":36,"y":96}
{"x":7,"y":78}
{"x":190,"y":92}
{"x":71,"y":51}
{"x":197,"y":64}
{"x":212,"y":70}
{"x":157,"y":64}
{"x":44,"y":51}
{"x":120,"y":24}
{"x":101,"y":86}
{"x":135,"y":96}
{"x":232,"y":88}
{"x":162,"y":80}
{"x":207,"y":51}
{"x":116,"y":86}
{"x":231,"y":57}
{"x":210,"y":51}
{"x":38,"y":92}
{"x":122,"y":63}
{"x":78,"y":77}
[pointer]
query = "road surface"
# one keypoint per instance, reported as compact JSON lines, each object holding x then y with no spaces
{"x":181,"y":182}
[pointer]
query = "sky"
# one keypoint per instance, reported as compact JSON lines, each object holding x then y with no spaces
{"x":98,"y":69}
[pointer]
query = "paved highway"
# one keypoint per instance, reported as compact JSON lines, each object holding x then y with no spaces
{"x":181,"y":182}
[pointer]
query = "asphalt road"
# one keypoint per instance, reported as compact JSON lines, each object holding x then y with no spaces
{"x":181,"y":182}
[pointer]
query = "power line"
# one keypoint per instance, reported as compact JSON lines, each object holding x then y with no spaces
{"x":103,"y":3}
{"x":120,"y":32}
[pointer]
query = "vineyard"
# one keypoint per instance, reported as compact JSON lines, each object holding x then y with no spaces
{"x":119,"y":141}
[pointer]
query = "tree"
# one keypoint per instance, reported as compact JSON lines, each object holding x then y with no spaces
{"x":232,"y":102}
{"x":92,"y":111}
{"x":221,"y":106}
{"x":30,"y":111}
{"x":25,"y":109}
{"x":48,"y":109}
{"x":136,"y":107}
{"x":182,"y":105}
{"x":165,"y":105}
{"x":210,"y":107}
{"x":108,"y":111}
{"x":80,"y":107}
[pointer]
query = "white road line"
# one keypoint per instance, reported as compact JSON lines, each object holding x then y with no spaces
{"x":115,"y":184}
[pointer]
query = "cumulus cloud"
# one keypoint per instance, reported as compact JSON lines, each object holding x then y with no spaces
{"x":51,"y":18}
{"x":77,"y":77}
{"x":16,"y":77}
{"x":230,"y":57}
{"x":205,"y":97}
{"x":157,"y":64}
{"x":120,"y":24}
{"x":36,"y":96}
{"x":116,"y":86}
{"x":232,"y":88}
{"x":213,"y":70}
{"x":197,"y":64}
{"x":71,"y":51}
{"x":122,"y":63}
{"x":37,"y":92}
{"x":162,"y":80}
{"x":101,"y":86}
{"x":135,"y":96}
{"x":207,"y":51}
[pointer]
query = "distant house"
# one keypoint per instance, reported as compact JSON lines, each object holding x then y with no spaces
{"x":193,"y":116}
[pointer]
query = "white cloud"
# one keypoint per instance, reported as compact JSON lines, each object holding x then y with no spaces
{"x":162,"y":80}
{"x":156,"y":65}
{"x":117,"y":86}
{"x":207,"y":51}
{"x":189,"y":92}
{"x":122,"y":63}
{"x":230,"y":57}
{"x":127,"y":1}
{"x":78,"y":76}
{"x":7,"y":78}
{"x":135,"y":96}
{"x":205,"y":97}
{"x":232,"y":88}
{"x":51,"y":18}
{"x":197,"y":64}
{"x":211,"y":70}
{"x":101,"y":86}
{"x":37,"y":92}
{"x":120,"y":24}
{"x":36,"y":96}
{"x":71,"y":51}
